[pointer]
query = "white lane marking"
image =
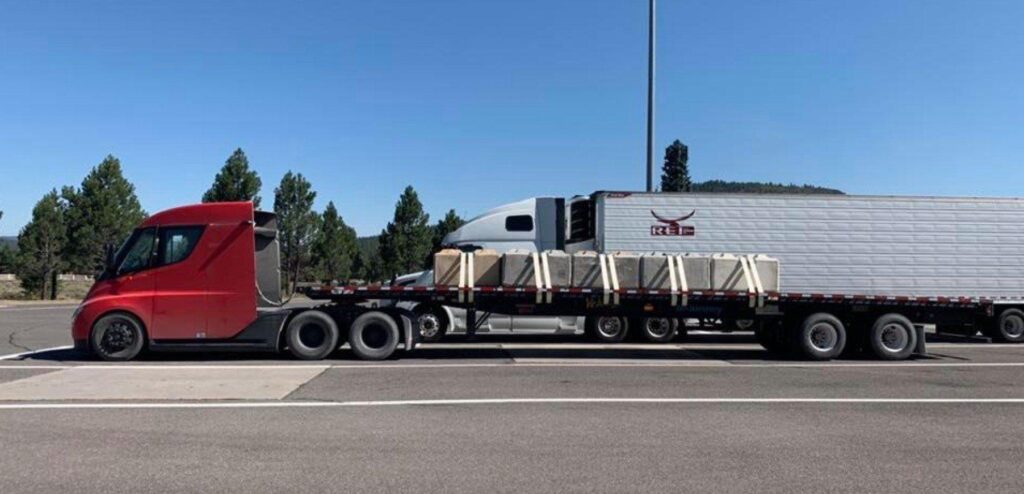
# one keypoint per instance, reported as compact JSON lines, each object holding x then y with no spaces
{"x":506,"y":401}
{"x":681,"y":364}
{"x":33,"y":352}
{"x":15,"y":308}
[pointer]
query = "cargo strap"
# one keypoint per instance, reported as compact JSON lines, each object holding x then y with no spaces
{"x":465,"y":276}
{"x":604,"y":277}
{"x":755,"y":291}
{"x":538,"y":277}
{"x":609,"y":278}
{"x":675,"y":263}
{"x":546,"y":267}
{"x":758,"y":287}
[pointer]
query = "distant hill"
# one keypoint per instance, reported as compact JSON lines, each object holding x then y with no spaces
{"x":761,"y":188}
{"x":9,"y":241}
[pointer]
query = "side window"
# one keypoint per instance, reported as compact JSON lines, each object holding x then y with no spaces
{"x":176,"y":243}
{"x":521,"y":223}
{"x":137,"y":252}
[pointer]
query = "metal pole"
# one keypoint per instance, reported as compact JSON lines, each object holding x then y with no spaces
{"x":650,"y":98}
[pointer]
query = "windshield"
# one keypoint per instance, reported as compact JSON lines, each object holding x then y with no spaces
{"x":136,"y":252}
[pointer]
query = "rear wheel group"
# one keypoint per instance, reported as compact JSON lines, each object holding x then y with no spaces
{"x":823,"y":336}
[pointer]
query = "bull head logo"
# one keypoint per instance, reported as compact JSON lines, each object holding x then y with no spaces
{"x":670,"y":227}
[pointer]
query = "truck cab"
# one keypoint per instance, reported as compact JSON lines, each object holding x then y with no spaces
{"x":194,"y":275}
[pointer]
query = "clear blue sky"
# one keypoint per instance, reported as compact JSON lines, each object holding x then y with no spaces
{"x":477,"y":103}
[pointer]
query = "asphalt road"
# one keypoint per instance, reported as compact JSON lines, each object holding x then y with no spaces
{"x":716,"y":414}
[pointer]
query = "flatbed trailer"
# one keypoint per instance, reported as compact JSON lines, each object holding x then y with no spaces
{"x":813,"y":326}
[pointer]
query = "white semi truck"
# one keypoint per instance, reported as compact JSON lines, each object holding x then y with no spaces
{"x":934,"y":248}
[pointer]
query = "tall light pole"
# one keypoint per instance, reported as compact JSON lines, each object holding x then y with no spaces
{"x":650,"y":98}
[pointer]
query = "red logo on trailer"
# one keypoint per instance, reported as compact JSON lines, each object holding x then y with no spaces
{"x":670,"y":227}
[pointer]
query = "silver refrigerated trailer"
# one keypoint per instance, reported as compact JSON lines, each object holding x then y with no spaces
{"x":831,"y":247}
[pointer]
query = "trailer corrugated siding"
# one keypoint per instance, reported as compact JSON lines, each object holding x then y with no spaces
{"x":873,"y":245}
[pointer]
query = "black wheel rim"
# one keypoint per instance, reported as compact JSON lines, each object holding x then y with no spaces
{"x":375,"y":336}
{"x":312,"y":335}
{"x":118,"y":337}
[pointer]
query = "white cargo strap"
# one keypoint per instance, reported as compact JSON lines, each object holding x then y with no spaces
{"x":547,"y":274}
{"x":750,"y":282}
{"x":462,"y":276}
{"x":604,"y":277}
{"x":470,"y":275}
{"x":538,"y":277}
{"x":683,"y":286}
{"x":757,"y":280}
{"x":615,"y":278}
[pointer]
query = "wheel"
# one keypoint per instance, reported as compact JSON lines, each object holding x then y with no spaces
{"x":659,"y":329}
{"x":1010,"y":326}
{"x":821,"y":337}
{"x":432,"y":324}
{"x":892,"y":337}
{"x":117,"y":337}
{"x":609,"y":329}
{"x":373,"y":336}
{"x":312,"y":335}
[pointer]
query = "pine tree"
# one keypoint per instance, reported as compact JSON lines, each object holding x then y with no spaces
{"x":334,"y":248}
{"x":296,"y":220}
{"x":103,"y":211}
{"x":675,"y":175}
{"x":235,"y":182}
{"x":7,"y":255}
{"x":450,"y":223}
{"x":40,"y":244}
{"x":405,"y":243}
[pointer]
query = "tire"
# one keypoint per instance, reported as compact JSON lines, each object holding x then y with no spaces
{"x":1010,"y":326}
{"x":659,"y":329}
{"x":609,"y":329}
{"x":117,"y":337}
{"x":431,"y":323}
{"x":312,"y":335}
{"x":822,"y":336}
{"x":373,"y":336}
{"x":892,"y":337}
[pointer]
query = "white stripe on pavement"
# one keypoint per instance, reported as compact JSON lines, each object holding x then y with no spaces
{"x":33,"y":352}
{"x":508,"y":401}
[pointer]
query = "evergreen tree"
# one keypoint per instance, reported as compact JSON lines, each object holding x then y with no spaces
{"x":235,"y":182}
{"x":405,"y":243}
{"x":450,"y":223}
{"x":40,"y":244}
{"x":334,"y":247}
{"x":6,"y":256}
{"x":103,"y":211}
{"x":296,"y":220}
{"x":675,"y":175}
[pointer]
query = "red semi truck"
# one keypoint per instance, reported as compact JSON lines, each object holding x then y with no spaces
{"x":207,"y":277}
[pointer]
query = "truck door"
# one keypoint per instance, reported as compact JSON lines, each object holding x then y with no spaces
{"x":180,"y":302}
{"x":132,"y":277}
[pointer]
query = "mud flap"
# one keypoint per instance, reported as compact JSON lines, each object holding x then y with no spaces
{"x":920,"y":348}
{"x":411,"y":336}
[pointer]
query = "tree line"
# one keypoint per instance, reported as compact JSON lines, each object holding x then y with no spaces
{"x":71,"y":228}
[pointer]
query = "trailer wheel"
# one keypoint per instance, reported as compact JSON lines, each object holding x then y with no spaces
{"x":1010,"y":326}
{"x":659,"y":329}
{"x":118,"y":336}
{"x":892,"y":337}
{"x":432,"y":323}
{"x":373,"y":336}
{"x":822,"y":336}
{"x":312,"y":335}
{"x":610,"y":329}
